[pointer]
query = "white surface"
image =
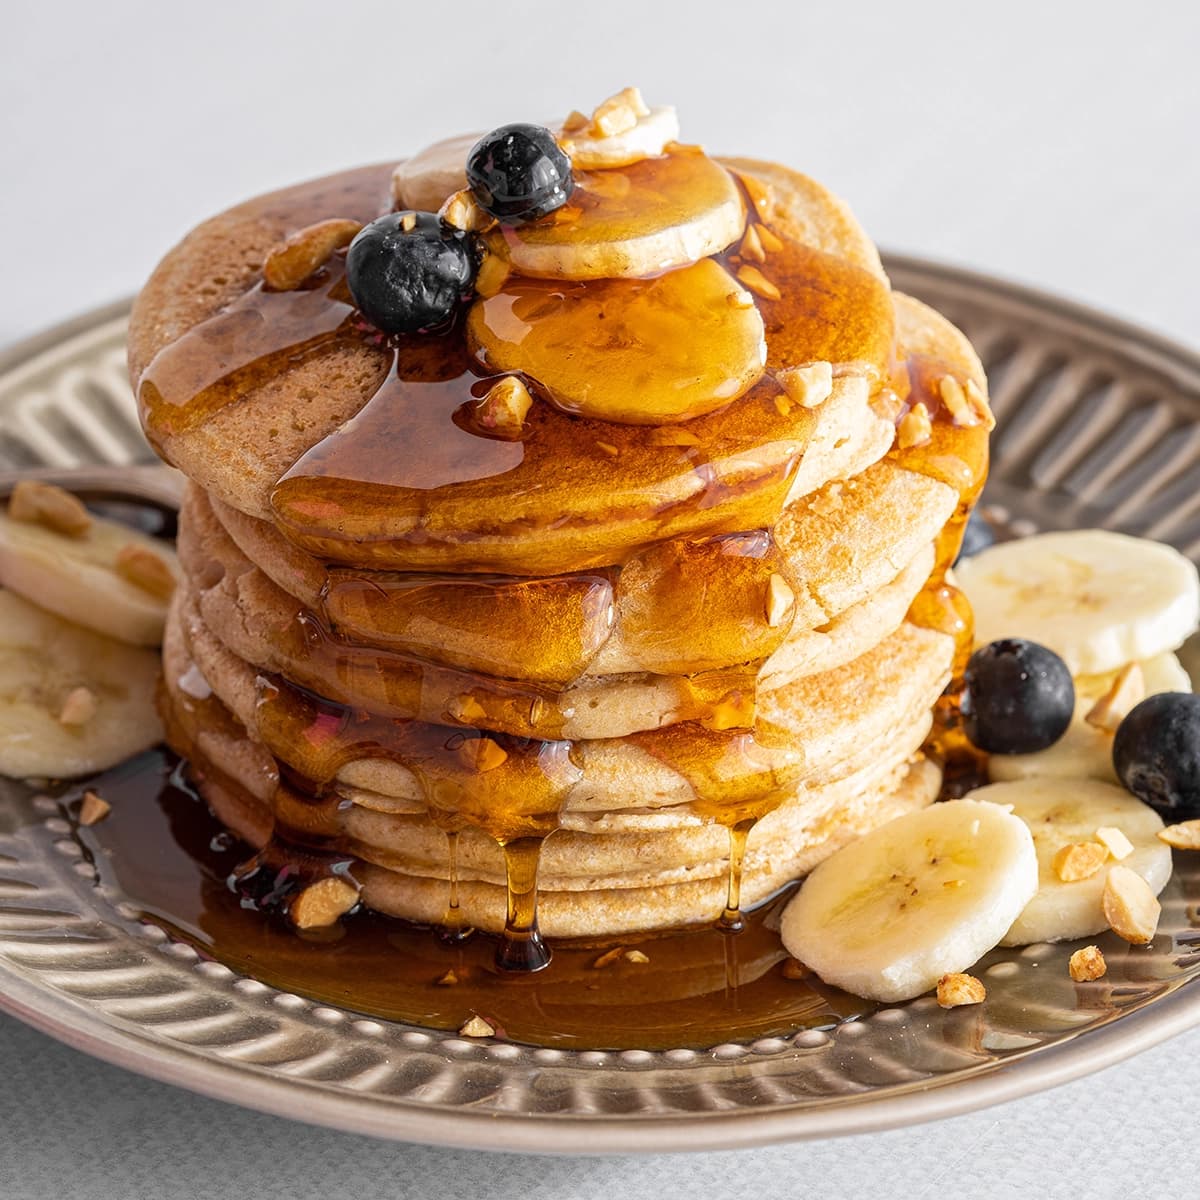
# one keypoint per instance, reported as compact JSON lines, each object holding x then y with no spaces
{"x":1054,"y":144}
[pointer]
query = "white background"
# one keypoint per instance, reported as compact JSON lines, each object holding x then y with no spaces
{"x":1053,"y":143}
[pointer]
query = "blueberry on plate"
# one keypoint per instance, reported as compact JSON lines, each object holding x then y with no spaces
{"x":519,"y":172}
{"x":1156,"y":754}
{"x":977,"y":536}
{"x":1019,"y":697}
{"x":409,"y":271}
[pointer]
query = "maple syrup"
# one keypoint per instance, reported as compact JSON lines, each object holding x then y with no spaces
{"x":411,"y":494}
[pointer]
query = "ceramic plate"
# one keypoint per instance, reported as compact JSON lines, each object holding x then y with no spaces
{"x":1099,"y":424}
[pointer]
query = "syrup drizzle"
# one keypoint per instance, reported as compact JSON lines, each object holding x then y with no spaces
{"x":409,"y":486}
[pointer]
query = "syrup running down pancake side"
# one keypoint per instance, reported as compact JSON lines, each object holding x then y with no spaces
{"x":414,"y":492}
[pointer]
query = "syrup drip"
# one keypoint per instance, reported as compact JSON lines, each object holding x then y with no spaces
{"x":411,"y":485}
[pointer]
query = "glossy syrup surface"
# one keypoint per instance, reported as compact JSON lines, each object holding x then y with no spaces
{"x":163,"y":851}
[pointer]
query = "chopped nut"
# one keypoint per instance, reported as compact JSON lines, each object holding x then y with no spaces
{"x":1130,"y":906}
{"x":1119,"y":846}
{"x":979,"y":404}
{"x":1127,"y":691}
{"x":492,"y":274}
{"x":477,"y":1027}
{"x":916,"y":429}
{"x":450,"y":979}
{"x":289,"y":265}
{"x":956,"y":989}
{"x":608,"y":958}
{"x":671,"y":435}
{"x":769,"y":238}
{"x":1087,"y":964}
{"x":323,"y":903}
{"x":44,"y":504}
{"x":466,"y":710}
{"x":463,"y":212}
{"x":740,"y":299}
{"x":758,"y":283}
{"x":793,"y":968}
{"x":504,"y":409}
{"x":78,"y":708}
{"x":636,"y":956}
{"x":93,"y":808}
{"x":807,"y":385}
{"x":482,"y":754}
{"x":1079,"y":860}
{"x":955,"y":400}
{"x":575,"y":122}
{"x":752,"y":246}
{"x":408,"y":222}
{"x":143,"y":568}
{"x":761,"y":193}
{"x":619,"y":113}
{"x":780,"y":601}
{"x":608,"y":448}
{"x":1184,"y":836}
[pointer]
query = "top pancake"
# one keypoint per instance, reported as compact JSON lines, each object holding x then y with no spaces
{"x":559,"y":499}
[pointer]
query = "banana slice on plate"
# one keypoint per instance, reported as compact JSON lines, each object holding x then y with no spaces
{"x":928,"y":893}
{"x":71,"y":701}
{"x":1097,"y":599}
{"x":1085,"y":751}
{"x":1066,"y":812}
{"x":108,"y":578}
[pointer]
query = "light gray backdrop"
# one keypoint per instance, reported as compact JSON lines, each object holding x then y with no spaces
{"x":1056,"y":144}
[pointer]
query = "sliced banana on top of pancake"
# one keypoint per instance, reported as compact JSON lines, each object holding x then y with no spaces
{"x":1071,"y":813}
{"x":1097,"y":599}
{"x":928,"y":893}
{"x":642,"y":133}
{"x":71,"y":701}
{"x":101,"y":575}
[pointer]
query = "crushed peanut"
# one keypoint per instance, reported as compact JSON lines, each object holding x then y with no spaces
{"x":752,"y":246}
{"x":608,"y":448}
{"x":636,"y":956}
{"x":477,"y":1027}
{"x":504,"y":409}
{"x":758,"y":283}
{"x":492,"y":275}
{"x":78,"y":708}
{"x":466,"y":710}
{"x":482,"y":754}
{"x":608,"y":958}
{"x":955,"y":400}
{"x":807,"y":385}
{"x":619,"y":113}
{"x":1119,"y":846}
{"x":1087,"y":964}
{"x":450,"y":979}
{"x":289,"y":265}
{"x":980,"y":404}
{"x":916,"y":429}
{"x":1184,"y":836}
{"x":93,"y":808}
{"x":780,"y":600}
{"x":771,"y":241}
{"x":955,"y":989}
{"x":1126,"y":691}
{"x":463,"y":212}
{"x":408,"y":222}
{"x":53,"y":507}
{"x":740,"y":299}
{"x":575,"y":122}
{"x":143,"y":568}
{"x":1130,"y":906}
{"x":1079,"y":860}
{"x":323,"y":903}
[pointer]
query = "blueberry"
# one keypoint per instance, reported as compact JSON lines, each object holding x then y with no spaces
{"x":518,"y":172}
{"x":977,"y":536}
{"x":409,"y":272}
{"x":1019,"y":697}
{"x":1156,"y":754}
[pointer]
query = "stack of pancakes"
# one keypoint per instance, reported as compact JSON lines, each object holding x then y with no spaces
{"x":481,"y":668}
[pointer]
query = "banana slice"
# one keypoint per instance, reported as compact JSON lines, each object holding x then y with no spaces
{"x":71,"y":701}
{"x":630,"y":222}
{"x":1060,"y":812}
{"x":638,"y":351}
{"x":89,"y":579}
{"x":931,"y":892}
{"x":1097,"y":599}
{"x":656,"y":129}
{"x":1085,"y":752}
{"x":425,"y":180}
